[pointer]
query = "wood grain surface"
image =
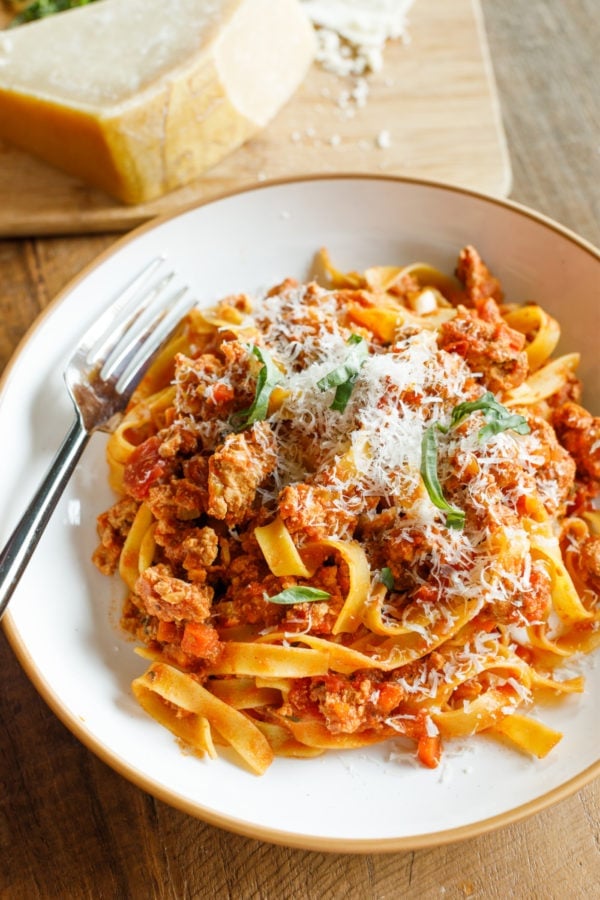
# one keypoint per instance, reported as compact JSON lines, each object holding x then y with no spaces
{"x":72,"y":828}
{"x":432,"y":93}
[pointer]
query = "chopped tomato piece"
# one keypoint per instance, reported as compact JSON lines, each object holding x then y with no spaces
{"x":222,"y":393}
{"x":429,"y":750}
{"x":200,"y":640}
{"x":144,"y":468}
{"x":390,"y":696}
{"x":167,"y":632}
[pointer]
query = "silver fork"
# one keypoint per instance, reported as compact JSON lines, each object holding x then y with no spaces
{"x":100,"y":377}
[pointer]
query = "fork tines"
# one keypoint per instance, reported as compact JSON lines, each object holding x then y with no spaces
{"x":142,"y":303}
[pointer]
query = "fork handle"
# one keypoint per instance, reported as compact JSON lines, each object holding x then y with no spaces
{"x":20,"y":546}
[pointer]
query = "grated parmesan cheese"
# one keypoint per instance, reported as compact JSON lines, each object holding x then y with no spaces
{"x":351,"y":34}
{"x":351,"y":38}
{"x":381,"y":430}
{"x":384,"y":139}
{"x":430,"y":727}
{"x":366,"y":458}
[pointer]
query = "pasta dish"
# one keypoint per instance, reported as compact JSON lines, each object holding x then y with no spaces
{"x":358,"y":509}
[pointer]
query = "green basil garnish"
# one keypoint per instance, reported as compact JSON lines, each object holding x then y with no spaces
{"x":455,"y":518}
{"x":344,"y":377}
{"x":39,"y":9}
{"x":299,"y":594}
{"x":387,"y":578}
{"x":498,"y":417}
{"x":268,"y":379}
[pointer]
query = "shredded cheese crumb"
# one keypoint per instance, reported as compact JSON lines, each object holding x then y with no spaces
{"x":351,"y":38}
{"x":384,"y":139}
{"x":351,"y":34}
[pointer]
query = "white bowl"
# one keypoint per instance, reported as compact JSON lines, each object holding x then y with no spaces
{"x":61,"y":622}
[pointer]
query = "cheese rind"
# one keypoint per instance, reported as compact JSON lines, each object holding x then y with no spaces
{"x":138,"y":106}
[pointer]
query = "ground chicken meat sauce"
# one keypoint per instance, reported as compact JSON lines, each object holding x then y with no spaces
{"x":436,"y":538}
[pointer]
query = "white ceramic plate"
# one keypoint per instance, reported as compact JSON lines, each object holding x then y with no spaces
{"x":62,"y":619}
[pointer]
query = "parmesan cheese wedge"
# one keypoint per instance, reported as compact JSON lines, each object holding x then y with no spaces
{"x":139,"y":97}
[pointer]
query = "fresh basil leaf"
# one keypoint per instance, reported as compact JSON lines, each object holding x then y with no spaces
{"x":299,"y":594}
{"x":513,"y":422}
{"x":455,"y":518}
{"x":268,"y":378}
{"x":343,"y":393}
{"x":463,"y":410}
{"x":498,"y":417}
{"x":387,"y":578}
{"x":344,"y":376}
{"x":351,"y":366}
{"x":39,"y":9}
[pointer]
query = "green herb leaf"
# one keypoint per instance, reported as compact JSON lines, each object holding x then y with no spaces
{"x":299,"y":594}
{"x":387,"y":578}
{"x":455,"y":518}
{"x":39,"y":9}
{"x":344,"y":376}
{"x":268,"y":378}
{"x":498,"y":417}
{"x":342,"y":394}
{"x":511,"y":422}
{"x":351,"y":366}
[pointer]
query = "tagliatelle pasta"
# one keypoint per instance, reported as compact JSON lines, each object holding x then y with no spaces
{"x":358,"y":511}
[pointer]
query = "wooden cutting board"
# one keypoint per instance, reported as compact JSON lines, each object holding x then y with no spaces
{"x":432,"y":112}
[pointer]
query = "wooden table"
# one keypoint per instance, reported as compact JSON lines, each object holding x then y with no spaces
{"x":70,"y":827}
